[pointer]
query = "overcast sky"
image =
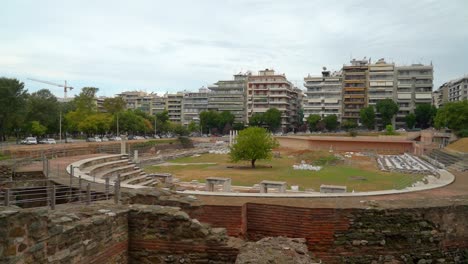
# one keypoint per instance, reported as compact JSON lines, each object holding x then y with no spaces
{"x":159,"y":46}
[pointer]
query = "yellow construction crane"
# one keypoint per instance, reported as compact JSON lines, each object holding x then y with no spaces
{"x":65,"y":87}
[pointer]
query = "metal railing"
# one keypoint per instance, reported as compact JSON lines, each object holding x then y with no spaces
{"x":46,"y":193}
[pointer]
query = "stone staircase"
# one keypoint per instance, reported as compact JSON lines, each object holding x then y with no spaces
{"x":451,"y":160}
{"x":112,"y":166}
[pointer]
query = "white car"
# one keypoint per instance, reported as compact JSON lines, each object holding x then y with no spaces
{"x":48,"y":141}
{"x":29,"y":141}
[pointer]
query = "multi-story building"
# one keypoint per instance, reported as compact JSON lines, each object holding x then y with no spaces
{"x":381,"y":82}
{"x":270,"y":90}
{"x":230,"y":95}
{"x":323,"y":94}
{"x":158,"y":104}
{"x":192,"y":104}
{"x":174,"y":106}
{"x":133,"y":99}
{"x":355,"y":87}
{"x":414,"y":86}
{"x":457,"y":90}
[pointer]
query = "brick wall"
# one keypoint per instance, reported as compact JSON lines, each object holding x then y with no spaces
{"x":354,"y":235}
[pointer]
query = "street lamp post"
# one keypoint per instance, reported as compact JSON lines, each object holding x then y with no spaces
{"x":155,"y":119}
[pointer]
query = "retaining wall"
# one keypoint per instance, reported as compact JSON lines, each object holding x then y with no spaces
{"x":362,"y":144}
{"x":354,"y":235}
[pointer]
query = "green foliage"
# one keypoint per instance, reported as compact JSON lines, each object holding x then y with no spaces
{"x":272,"y":119}
{"x":211,"y":121}
{"x":179,"y":130}
{"x":193,"y":127}
{"x":390,"y":130}
{"x":300,"y":117}
{"x":162,"y":122}
{"x":331,"y":122}
{"x":238,"y":126}
{"x":326,"y":160}
{"x":252,"y":144}
{"x":114,"y":105}
{"x":348,"y":124}
{"x":37,"y":129}
{"x":132,"y":123}
{"x":256,"y":120}
{"x":353,"y":133}
{"x":12,"y":101}
{"x":387,"y":109}
{"x":43,"y":106}
{"x":85,"y":102}
{"x":463,"y":133}
{"x":312,"y":121}
{"x":367,"y":115}
{"x":425,"y":114}
{"x":453,"y":115}
{"x":98,"y":123}
{"x":186,"y":142}
{"x":410,"y":120}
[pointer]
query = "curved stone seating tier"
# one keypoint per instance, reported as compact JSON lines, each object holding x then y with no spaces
{"x":98,"y":169}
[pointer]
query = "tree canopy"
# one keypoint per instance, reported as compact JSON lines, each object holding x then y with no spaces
{"x":387,"y":108}
{"x":252,"y":144}
{"x":367,"y":115}
{"x":212,"y":121}
{"x":331,"y":122}
{"x":425,"y":114}
{"x":12,"y":100}
{"x":410,"y":120}
{"x":453,"y":115}
{"x":312,"y":121}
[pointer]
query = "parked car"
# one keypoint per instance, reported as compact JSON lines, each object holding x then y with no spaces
{"x":29,"y":141}
{"x":104,"y":139}
{"x":138,"y":137}
{"x":69,"y":140}
{"x":48,"y":141}
{"x":93,"y":139}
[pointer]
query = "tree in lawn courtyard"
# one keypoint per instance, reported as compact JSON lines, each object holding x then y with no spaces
{"x":252,"y":144}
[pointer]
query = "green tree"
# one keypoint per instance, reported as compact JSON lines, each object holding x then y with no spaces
{"x":98,"y":123}
{"x":209,"y":120}
{"x":252,"y":144}
{"x":42,"y":106}
{"x":300,"y":117}
{"x":37,"y":129}
{"x":256,"y":120}
{"x":425,"y":114}
{"x":114,"y":105}
{"x":331,"y":122}
{"x":12,"y":101}
{"x":367,"y":115}
{"x":133,"y":123}
{"x":162,"y":122}
{"x":272,"y":119}
{"x":348,"y":124}
{"x":224,"y":119}
{"x":193,"y":127}
{"x":387,"y":109}
{"x":179,"y":130}
{"x":85,"y":106}
{"x":453,"y":115}
{"x":312,"y":121}
{"x":410,"y":120}
{"x":238,"y":126}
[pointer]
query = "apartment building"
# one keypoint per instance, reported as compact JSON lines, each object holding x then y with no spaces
{"x":192,"y":104}
{"x":355,"y":89}
{"x":270,"y":90}
{"x":158,"y":104}
{"x":324,"y":94}
{"x":451,"y":91}
{"x":230,"y":95}
{"x":174,"y":106}
{"x":414,"y":86}
{"x":381,"y":82}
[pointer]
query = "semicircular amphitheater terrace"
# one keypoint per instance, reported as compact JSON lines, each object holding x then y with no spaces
{"x":352,"y":200}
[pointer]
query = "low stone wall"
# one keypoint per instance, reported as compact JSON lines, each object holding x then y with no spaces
{"x":75,"y":235}
{"x":108,"y":233}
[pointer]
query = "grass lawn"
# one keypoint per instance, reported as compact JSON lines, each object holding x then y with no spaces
{"x":352,"y":175}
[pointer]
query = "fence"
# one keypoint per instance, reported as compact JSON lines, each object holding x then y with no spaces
{"x":47,"y":193}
